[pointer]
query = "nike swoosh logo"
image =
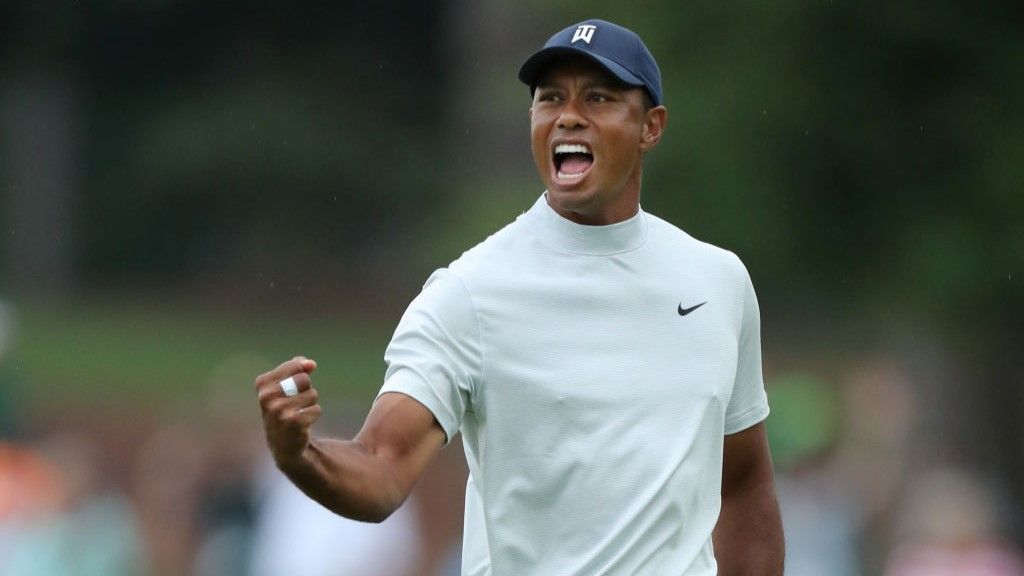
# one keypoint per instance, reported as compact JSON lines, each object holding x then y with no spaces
{"x":685,"y":311}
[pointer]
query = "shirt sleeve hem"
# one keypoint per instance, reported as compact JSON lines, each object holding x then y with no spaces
{"x":412,"y":385}
{"x":747,"y":419}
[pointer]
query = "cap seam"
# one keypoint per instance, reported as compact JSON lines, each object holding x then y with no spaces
{"x":637,"y":57}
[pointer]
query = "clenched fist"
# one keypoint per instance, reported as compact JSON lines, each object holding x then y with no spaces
{"x":287,"y":419}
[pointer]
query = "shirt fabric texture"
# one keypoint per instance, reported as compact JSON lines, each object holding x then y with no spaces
{"x":593,"y":411}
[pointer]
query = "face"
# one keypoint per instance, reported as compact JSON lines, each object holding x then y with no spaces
{"x":589,"y":133}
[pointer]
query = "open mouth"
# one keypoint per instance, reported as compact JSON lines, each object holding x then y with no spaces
{"x":572,"y":161}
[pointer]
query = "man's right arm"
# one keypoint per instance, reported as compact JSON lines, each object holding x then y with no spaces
{"x":366,"y":478}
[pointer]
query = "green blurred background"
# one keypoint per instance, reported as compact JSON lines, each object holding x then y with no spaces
{"x":186,"y":183}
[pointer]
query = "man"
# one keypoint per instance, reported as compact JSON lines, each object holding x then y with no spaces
{"x":603,"y":367}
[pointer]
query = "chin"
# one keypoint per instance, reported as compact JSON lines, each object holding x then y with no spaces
{"x":568,"y":200}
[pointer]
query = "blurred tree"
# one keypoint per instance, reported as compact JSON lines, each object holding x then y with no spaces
{"x":223,"y":138}
{"x":38,"y":152}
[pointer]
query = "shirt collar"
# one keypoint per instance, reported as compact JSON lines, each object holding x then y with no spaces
{"x":567,"y":236}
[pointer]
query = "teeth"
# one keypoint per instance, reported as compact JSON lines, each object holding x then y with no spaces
{"x":571,"y":149}
{"x":564,"y":176}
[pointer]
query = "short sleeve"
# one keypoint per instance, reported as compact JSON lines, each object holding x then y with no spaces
{"x":748,"y":403}
{"x":434,"y":354}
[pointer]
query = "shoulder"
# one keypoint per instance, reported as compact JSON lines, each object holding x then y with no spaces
{"x":709,"y":258}
{"x":495,"y":254}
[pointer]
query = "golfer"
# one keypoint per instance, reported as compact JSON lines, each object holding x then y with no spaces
{"x":603,"y":366}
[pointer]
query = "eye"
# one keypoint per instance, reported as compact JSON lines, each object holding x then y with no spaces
{"x":598,"y":97}
{"x":548,"y":97}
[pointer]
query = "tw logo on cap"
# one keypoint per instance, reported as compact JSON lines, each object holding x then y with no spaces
{"x":583,"y":32}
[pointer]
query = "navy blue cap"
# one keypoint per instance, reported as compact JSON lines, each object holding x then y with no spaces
{"x":618,"y":50}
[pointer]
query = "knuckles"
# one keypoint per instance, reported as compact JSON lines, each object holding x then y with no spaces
{"x":302,"y":381}
{"x":274,"y":406}
{"x":292,"y":420}
{"x":264,"y":397}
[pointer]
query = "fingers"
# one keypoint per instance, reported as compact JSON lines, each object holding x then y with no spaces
{"x":287,"y":419}
{"x":299,"y":411}
{"x":272,"y":397}
{"x":298,"y":368}
{"x":304,"y":400}
{"x":307,"y":365}
{"x":297,"y":365}
{"x":308,"y":415}
{"x":301,"y":381}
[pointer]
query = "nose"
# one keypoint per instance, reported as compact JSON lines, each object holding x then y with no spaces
{"x":570,"y":116}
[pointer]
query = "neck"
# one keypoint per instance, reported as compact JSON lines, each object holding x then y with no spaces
{"x":602,"y":218}
{"x":617,"y":206}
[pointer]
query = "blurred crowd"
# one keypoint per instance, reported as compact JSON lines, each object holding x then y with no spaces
{"x":137,"y":494}
{"x":130,"y":493}
{"x":857,"y":500}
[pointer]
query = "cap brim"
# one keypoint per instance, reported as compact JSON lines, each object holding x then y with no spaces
{"x":531,"y":70}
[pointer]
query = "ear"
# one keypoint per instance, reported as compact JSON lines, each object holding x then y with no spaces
{"x":655,"y":120}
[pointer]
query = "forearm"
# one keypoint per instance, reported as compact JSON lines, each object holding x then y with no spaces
{"x":365,"y":479}
{"x":748,"y":537}
{"x":346,"y":478}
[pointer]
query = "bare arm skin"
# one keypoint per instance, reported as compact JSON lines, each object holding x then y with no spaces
{"x":366,"y":478}
{"x":748,"y":537}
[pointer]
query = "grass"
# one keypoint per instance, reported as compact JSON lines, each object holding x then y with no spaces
{"x":176,"y":357}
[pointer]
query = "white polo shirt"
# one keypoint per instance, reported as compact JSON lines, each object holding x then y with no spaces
{"x":593,"y":372}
